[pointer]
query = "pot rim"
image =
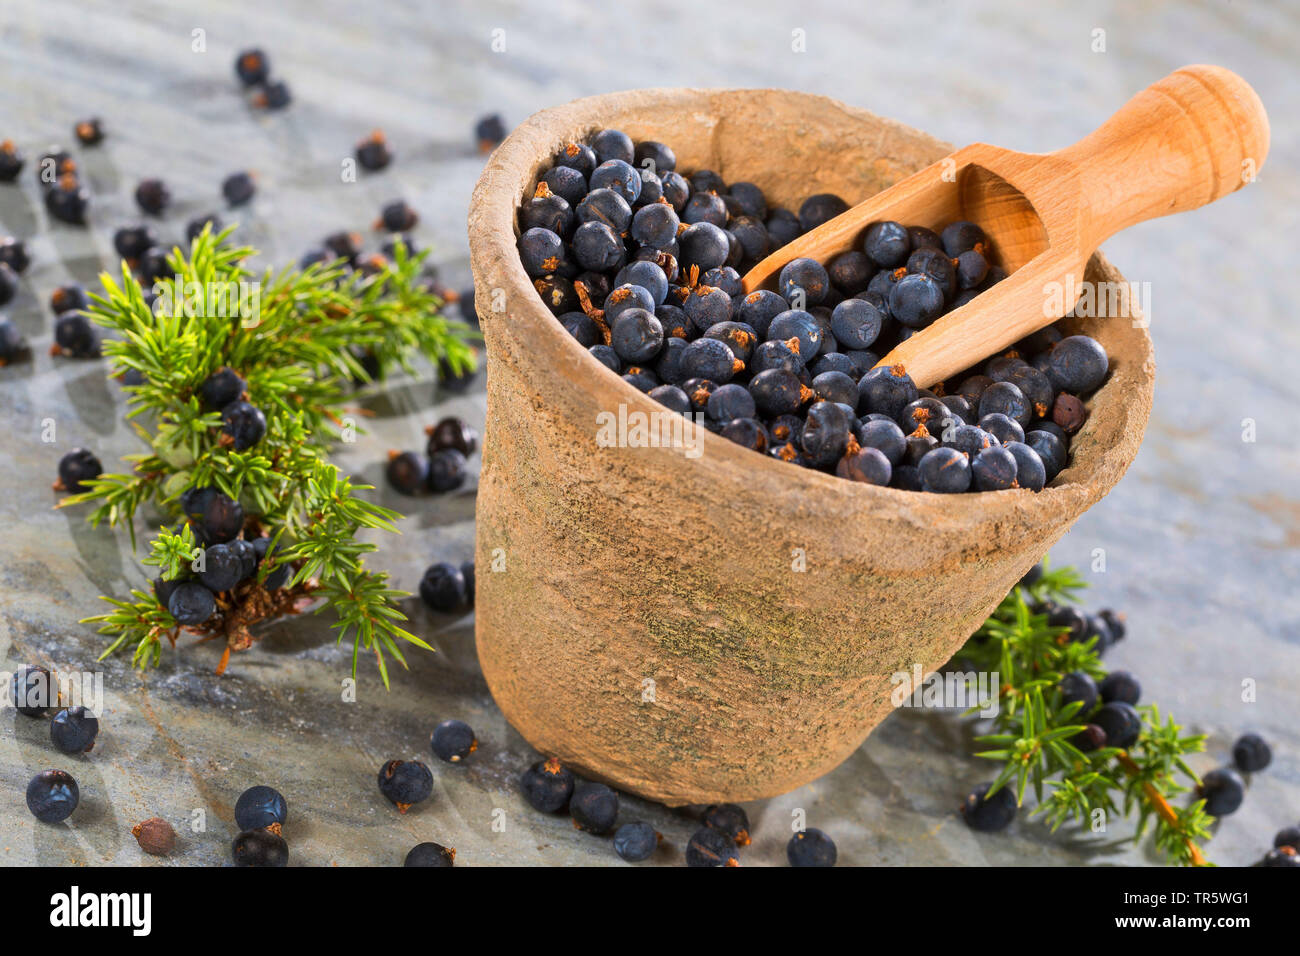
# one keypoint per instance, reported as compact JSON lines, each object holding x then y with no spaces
{"x":1099,"y":455}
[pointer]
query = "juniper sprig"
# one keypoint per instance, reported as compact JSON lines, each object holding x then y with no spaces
{"x":1033,"y":729}
{"x":300,"y":338}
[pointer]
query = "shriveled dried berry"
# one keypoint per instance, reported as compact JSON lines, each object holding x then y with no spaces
{"x":1069,"y":413}
{"x":156,"y":836}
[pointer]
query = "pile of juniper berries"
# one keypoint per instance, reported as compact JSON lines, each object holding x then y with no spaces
{"x":642,"y":265}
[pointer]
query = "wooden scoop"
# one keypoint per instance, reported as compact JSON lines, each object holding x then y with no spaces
{"x":1198,"y":134}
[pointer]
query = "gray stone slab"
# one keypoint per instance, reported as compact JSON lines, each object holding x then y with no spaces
{"x":1200,"y":538}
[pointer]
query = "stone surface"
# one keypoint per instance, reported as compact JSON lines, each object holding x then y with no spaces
{"x":1199,"y":539}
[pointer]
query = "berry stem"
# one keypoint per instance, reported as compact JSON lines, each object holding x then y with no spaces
{"x":1160,"y":805}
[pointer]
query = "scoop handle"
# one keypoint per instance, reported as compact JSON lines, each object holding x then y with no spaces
{"x":1186,"y":140}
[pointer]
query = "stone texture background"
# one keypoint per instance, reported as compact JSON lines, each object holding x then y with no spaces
{"x":1199,"y":540}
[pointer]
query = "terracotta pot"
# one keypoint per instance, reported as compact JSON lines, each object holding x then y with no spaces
{"x":648,"y":623}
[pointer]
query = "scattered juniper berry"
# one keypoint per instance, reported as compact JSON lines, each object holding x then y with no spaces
{"x":52,"y":795}
{"x":728,"y":818}
{"x":373,"y":152}
{"x":635,"y":842}
{"x":11,"y":161}
{"x":31,"y":691}
{"x":613,"y":144}
{"x":454,"y":433}
{"x":453,"y":741}
{"x":989,"y":813}
{"x":405,"y":783}
{"x":594,"y":808}
{"x":68,"y":201}
{"x":262,"y":847}
{"x":407,"y":472}
{"x":259,"y":807}
{"x":238,"y":188}
{"x":916,"y":300}
{"x":1251,"y":753}
{"x":547,"y":785}
{"x":811,"y":847}
{"x":1223,"y":791}
{"x":430,"y":854}
{"x":75,"y":468}
{"x":251,"y":67}
{"x":710,"y":847}
{"x":489,"y":131}
{"x":886,"y":390}
{"x":1289,"y":836}
{"x":806,"y":276}
{"x":153,"y":196}
{"x":442,"y":587}
{"x":74,"y":730}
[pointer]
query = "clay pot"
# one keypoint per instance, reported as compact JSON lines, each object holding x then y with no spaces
{"x":725,"y":627}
